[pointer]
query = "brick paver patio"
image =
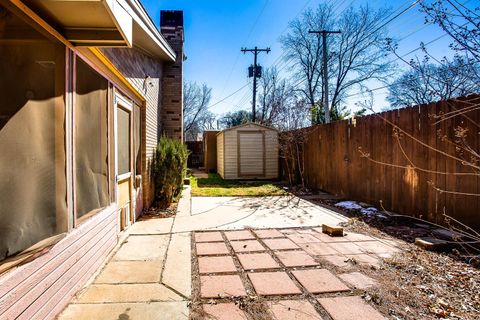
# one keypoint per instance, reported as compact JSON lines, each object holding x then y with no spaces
{"x":299,"y":273}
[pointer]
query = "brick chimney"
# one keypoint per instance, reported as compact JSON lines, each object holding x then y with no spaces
{"x":171,"y":27}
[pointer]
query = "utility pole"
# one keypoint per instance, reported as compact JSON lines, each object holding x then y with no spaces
{"x":325,"y":70}
{"x":256,"y":74}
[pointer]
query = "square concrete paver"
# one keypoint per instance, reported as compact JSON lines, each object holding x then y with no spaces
{"x":349,"y":308}
{"x":147,"y":226}
{"x":177,"y":310}
{"x":239,"y":235}
{"x":352,"y":236}
{"x":358,"y":280}
{"x":346,"y":247}
{"x":269,"y":233}
{"x":337,"y":260}
{"x":224,"y":311}
{"x":365,"y":259}
{"x":280,"y":244}
{"x":295,"y":258}
{"x":302,"y":238}
{"x":247,"y":246}
{"x":216,"y":264}
{"x":208,"y":236}
{"x":153,"y":248}
{"x":273,"y":283}
{"x":108,"y":293}
{"x":293,"y":310}
{"x":376,"y":247}
{"x":318,"y":249}
{"x":130,"y":272}
{"x":211,"y":248}
{"x":219,"y":286}
{"x":255,"y":261}
{"x":319,"y":281}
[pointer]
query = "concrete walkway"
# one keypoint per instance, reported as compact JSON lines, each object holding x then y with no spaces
{"x":149,"y":275}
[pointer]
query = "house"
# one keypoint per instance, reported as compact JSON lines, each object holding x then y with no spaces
{"x":248,"y":151}
{"x":87,"y":87}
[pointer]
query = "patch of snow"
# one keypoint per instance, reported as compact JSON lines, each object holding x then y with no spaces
{"x":350,"y":205}
{"x":370,"y":211}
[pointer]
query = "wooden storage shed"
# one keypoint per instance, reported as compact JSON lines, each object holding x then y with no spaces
{"x":248,"y":151}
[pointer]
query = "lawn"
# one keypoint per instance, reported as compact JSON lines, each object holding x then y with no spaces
{"x":215,"y":186}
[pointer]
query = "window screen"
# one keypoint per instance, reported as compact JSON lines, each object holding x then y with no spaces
{"x":32,"y":137}
{"x":91,"y":180}
{"x":123,"y":136}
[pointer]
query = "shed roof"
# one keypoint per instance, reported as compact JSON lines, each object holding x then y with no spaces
{"x":248,"y":124}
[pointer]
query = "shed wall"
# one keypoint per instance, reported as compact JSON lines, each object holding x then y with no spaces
{"x":230,"y":170}
{"x":220,"y":160}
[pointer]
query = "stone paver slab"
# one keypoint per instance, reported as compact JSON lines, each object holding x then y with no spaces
{"x":273,"y":283}
{"x":319,"y":281}
{"x":376,"y":247}
{"x":130,"y":272}
{"x":346,"y":247}
{"x":153,"y":248}
{"x":208,"y":236}
{"x":224,"y":311}
{"x":269,"y":233}
{"x":318,"y":249}
{"x":223,"y":285}
{"x":151,"y":226}
{"x":107,"y":293}
{"x":247,"y":246}
{"x":256,"y":261}
{"x":293,"y":310}
{"x":211,"y":248}
{"x":352,"y":236}
{"x":280,"y":244}
{"x":239,"y":235}
{"x":177,"y":310}
{"x":358,"y":280}
{"x":216,"y":264}
{"x":365,"y":259}
{"x":349,"y":308}
{"x":338,"y":260}
{"x":295,"y":258}
{"x":299,"y":238}
{"x":178,"y":267}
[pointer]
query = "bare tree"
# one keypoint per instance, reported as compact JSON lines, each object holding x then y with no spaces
{"x":356,"y":55}
{"x":426,"y":82}
{"x":196,"y":116}
{"x":460,"y":22}
{"x":275,"y":94}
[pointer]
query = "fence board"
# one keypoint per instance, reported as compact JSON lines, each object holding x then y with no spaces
{"x":402,"y":173}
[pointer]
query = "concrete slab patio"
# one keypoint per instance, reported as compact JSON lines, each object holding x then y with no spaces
{"x":149,"y":276}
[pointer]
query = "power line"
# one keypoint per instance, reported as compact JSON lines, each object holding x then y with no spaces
{"x":232,"y":94}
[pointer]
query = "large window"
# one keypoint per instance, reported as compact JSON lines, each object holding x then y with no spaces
{"x":32,"y":137}
{"x":91,"y":123}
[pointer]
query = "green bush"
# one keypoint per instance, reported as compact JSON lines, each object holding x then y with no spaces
{"x":169,"y":169}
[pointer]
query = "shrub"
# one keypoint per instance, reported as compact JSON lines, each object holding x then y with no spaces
{"x":169,"y":169}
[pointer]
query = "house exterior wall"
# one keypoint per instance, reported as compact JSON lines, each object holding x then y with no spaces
{"x":171,"y":26}
{"x":137,"y":66}
{"x":41,"y":288}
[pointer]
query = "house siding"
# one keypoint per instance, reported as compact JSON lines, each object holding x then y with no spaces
{"x":136,"y":66}
{"x":41,"y":288}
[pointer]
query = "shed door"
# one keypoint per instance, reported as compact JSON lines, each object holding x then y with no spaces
{"x":251,"y":153}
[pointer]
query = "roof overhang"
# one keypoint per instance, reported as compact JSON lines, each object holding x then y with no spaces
{"x":105,"y":23}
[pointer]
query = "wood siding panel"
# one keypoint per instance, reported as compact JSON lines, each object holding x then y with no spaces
{"x":42,"y":278}
{"x":220,"y":155}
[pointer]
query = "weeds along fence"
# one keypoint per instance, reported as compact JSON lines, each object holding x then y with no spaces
{"x":421,"y":161}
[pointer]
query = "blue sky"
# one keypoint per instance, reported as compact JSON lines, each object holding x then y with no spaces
{"x":216,"y":30}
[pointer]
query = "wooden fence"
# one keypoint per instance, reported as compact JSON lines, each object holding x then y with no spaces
{"x":405,"y":160}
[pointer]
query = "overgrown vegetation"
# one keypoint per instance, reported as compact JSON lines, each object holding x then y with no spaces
{"x":215,"y":186}
{"x":169,"y":169}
